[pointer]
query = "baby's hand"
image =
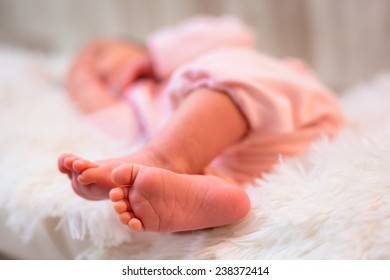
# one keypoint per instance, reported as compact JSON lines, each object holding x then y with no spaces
{"x":118,"y":63}
{"x":107,"y":65}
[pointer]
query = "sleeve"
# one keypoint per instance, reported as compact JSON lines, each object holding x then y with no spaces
{"x":275,"y":97}
{"x":172,"y":47}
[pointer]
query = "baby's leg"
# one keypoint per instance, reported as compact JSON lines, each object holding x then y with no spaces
{"x":206,"y":123}
{"x":159,"y":200}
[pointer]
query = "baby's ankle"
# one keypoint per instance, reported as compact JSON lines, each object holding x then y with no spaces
{"x":160,"y":159}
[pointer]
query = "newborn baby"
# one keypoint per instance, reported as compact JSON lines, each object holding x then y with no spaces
{"x":215,"y":112}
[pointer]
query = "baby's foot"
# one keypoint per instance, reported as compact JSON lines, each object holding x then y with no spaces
{"x":92,"y":180}
{"x":160,"y":200}
{"x":82,"y":181}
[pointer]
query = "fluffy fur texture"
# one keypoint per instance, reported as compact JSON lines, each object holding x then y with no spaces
{"x":331,"y":203}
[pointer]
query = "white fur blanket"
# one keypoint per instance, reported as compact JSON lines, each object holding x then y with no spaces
{"x":331,"y":203}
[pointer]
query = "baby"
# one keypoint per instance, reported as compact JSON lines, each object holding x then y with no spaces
{"x":217,"y":115}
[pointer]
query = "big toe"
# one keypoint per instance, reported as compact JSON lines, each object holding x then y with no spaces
{"x":89,"y":176}
{"x":125,"y":174}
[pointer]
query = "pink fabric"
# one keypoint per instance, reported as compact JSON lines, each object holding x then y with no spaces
{"x":119,"y":121}
{"x":284,"y":103}
{"x":172,"y":47}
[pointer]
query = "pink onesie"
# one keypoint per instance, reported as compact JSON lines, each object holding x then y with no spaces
{"x":286,"y":107}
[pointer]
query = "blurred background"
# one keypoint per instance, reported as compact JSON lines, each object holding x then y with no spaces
{"x":345,"y":41}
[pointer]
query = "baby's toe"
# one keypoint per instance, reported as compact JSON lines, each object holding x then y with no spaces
{"x":61,"y":165}
{"x":89,"y":176}
{"x":121,"y":206}
{"x":118,"y":194}
{"x":135,"y":225}
{"x":125,"y":217}
{"x":125,"y":174}
{"x":80,"y":165}
{"x":68,"y":161}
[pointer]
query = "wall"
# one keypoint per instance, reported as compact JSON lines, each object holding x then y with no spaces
{"x":345,"y":41}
